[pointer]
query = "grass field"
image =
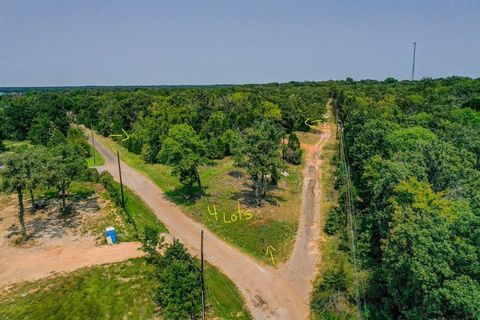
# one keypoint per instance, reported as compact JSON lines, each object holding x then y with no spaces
{"x":275,"y":223}
{"x":222,"y":296}
{"x":116,"y":291}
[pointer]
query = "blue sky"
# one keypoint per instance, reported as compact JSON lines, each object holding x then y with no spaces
{"x":53,"y":42}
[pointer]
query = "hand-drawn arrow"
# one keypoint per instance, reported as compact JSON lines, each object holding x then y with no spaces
{"x":313,"y":121}
{"x":120,"y":135}
{"x":269,"y":251}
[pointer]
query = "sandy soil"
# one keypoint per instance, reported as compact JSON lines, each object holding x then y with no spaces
{"x":270,"y":293}
{"x":57,"y":243}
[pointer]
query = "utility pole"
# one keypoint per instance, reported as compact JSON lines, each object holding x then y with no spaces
{"x":93,"y":143}
{"x":413,"y":65}
{"x":121,"y":182}
{"x":202,"y":276}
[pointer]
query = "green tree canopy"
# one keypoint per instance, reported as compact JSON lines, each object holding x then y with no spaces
{"x":185,"y":151}
{"x":258,"y":150}
{"x":15,"y":179}
{"x":179,"y":291}
{"x":63,"y":167}
{"x":421,"y":256}
{"x":293,"y":152}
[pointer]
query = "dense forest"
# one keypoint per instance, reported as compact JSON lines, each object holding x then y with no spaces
{"x":413,"y":149}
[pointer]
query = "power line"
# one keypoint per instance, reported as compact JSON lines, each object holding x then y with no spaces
{"x":349,"y":206}
{"x":93,"y":143}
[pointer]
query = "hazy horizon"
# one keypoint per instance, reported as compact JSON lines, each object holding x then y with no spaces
{"x":121,"y":43}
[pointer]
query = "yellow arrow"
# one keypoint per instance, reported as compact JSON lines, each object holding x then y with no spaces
{"x":269,"y":251}
{"x":120,"y":135}
{"x":313,"y":121}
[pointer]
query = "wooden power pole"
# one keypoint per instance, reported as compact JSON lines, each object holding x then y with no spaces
{"x":202,"y":276}
{"x":93,"y":143}
{"x":121,"y":182}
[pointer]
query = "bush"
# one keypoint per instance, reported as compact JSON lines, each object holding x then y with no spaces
{"x":331,"y":296}
{"x":216,"y":148}
{"x":151,"y":242}
{"x":335,"y":221}
{"x":106,"y":180}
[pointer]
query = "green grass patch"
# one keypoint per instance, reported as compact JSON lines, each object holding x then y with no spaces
{"x":117,"y":291}
{"x":274,"y":223}
{"x":99,"y":161}
{"x":222,"y":296}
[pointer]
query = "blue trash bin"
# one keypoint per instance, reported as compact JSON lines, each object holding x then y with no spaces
{"x":111,"y":235}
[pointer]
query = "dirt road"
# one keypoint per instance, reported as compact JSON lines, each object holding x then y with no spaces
{"x":269,"y":293}
{"x":300,"y":269}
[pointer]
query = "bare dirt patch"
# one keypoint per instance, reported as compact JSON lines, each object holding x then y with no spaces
{"x":57,"y":242}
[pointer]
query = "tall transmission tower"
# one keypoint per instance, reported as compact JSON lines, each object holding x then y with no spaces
{"x":413,"y":65}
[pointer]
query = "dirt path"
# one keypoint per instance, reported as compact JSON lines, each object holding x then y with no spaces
{"x":269,"y":293}
{"x":17,"y":265}
{"x":300,"y":269}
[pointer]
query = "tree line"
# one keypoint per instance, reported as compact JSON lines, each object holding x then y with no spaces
{"x":414,"y":153}
{"x":181,"y":127}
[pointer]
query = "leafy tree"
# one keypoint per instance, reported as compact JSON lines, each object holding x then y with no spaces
{"x":18,"y":113}
{"x":184,"y":150}
{"x":258,"y":150}
{"x":390,"y":80}
{"x":213,"y":131}
{"x":41,"y":131}
{"x":15,"y":179}
{"x":151,"y":243}
{"x":410,"y":139}
{"x":35,"y":159}
{"x":3,"y":124}
{"x":65,"y":166}
{"x":179,"y":290}
{"x":56,"y":138}
{"x":76,"y":138}
{"x":473,"y":103}
{"x":293,"y":152}
{"x":420,"y":256}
